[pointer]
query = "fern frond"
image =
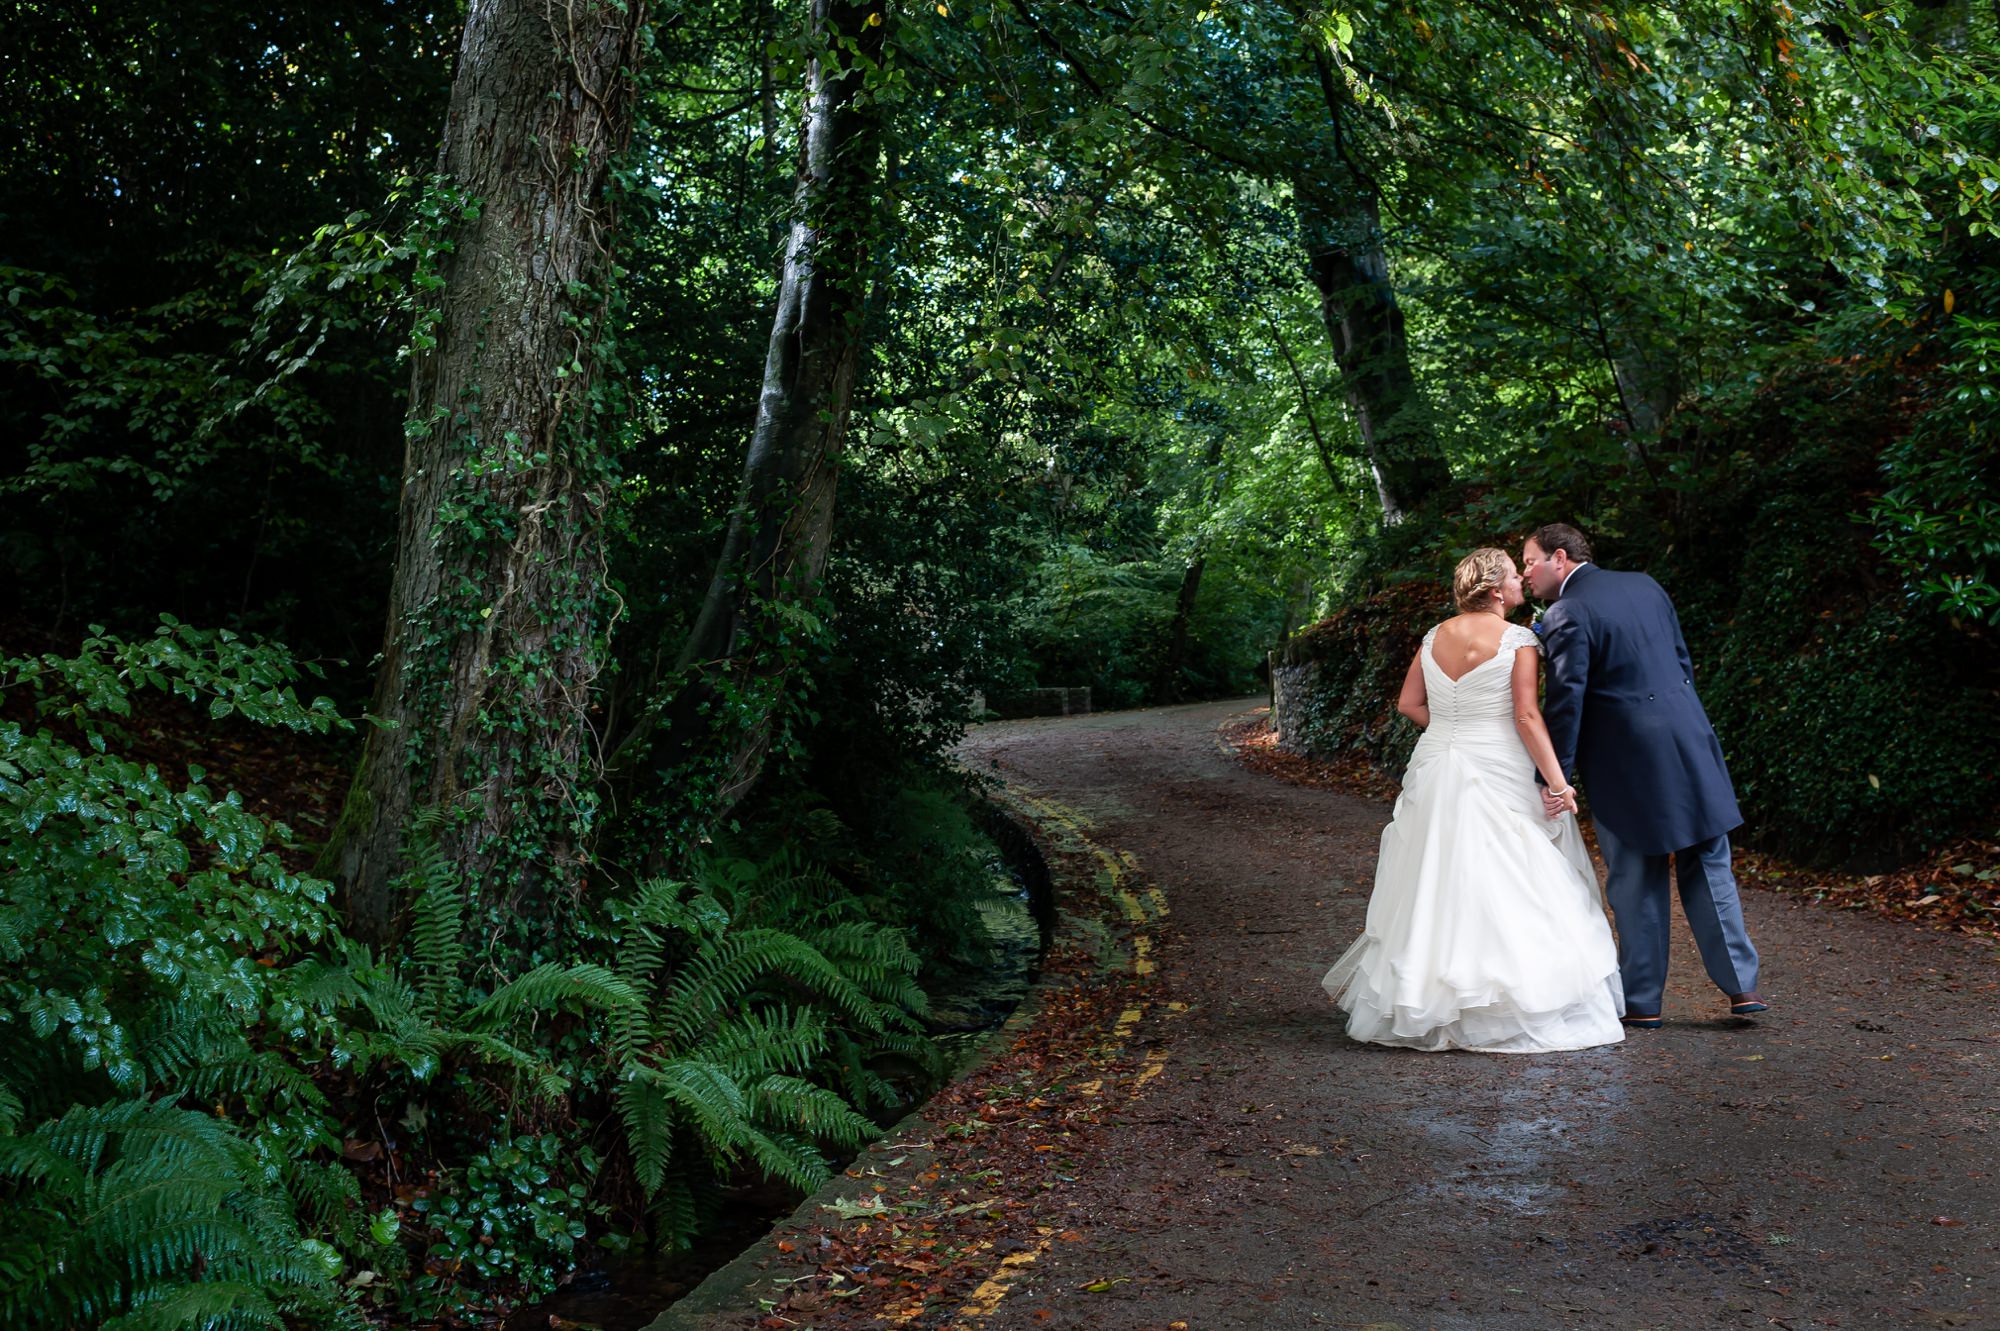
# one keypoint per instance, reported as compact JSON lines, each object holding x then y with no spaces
{"x":665,"y":904}
{"x":715,"y":1106}
{"x":144,"y":1128}
{"x":404,"y":1033}
{"x":322,"y":986}
{"x":248,"y":1072}
{"x":211,"y":1305}
{"x":677,"y":1212}
{"x":548,"y":1084}
{"x":648,"y":1114}
{"x":755,"y":1044}
{"x":181,"y":1036}
{"x":723,"y":973}
{"x":797,"y":1103}
{"x":152,"y":1245}
{"x":437,"y":919}
{"x":919,"y":1049}
{"x":790,"y":1158}
{"x":880,"y":960}
{"x":793,"y":892}
{"x":32,"y":1160}
{"x":326,"y":1194}
{"x":551,"y":985}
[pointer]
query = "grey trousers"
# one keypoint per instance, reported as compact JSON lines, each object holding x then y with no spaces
{"x":1637,"y":888}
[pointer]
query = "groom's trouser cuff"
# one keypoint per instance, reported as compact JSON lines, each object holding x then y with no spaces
{"x":1715,"y":914}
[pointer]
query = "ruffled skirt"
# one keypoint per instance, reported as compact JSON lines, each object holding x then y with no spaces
{"x":1486,"y":930}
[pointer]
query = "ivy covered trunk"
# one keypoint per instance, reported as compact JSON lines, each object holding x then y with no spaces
{"x":1349,"y":268}
{"x":711,"y":736}
{"x":495,"y":626}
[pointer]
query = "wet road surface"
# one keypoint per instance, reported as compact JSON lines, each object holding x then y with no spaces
{"x":1828,"y":1165}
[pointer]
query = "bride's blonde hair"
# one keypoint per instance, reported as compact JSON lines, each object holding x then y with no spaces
{"x":1478,"y":575}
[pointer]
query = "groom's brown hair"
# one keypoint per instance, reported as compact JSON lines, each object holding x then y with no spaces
{"x":1561,"y":536}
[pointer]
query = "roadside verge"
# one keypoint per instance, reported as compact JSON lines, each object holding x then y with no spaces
{"x":942,"y":1215}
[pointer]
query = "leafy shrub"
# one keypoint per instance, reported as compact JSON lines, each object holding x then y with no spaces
{"x":149,"y":936}
{"x":508,"y":1216}
{"x":1850,"y":748}
{"x":1097,"y":620}
{"x":1339,"y":678}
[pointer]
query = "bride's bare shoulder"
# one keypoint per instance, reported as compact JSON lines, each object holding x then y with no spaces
{"x":1470,"y":628}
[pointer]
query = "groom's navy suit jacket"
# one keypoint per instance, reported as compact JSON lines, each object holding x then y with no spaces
{"x":1623,"y":715}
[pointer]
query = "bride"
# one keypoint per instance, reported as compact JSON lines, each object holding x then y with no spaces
{"x":1485,"y":930}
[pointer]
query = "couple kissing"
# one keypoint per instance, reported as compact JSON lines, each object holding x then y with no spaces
{"x":1485,"y":929}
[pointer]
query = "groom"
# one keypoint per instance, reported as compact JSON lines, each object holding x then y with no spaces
{"x":1621,"y":710}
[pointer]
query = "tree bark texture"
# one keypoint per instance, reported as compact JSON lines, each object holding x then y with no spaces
{"x":495,"y":621}
{"x":1340,"y":220}
{"x":732,"y":667}
{"x":1350,"y":270}
{"x":1168,"y":685}
{"x":1647,"y":372}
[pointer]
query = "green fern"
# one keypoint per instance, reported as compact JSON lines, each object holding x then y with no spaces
{"x":765,"y":996}
{"x":210,"y":1304}
{"x":550,"y":985}
{"x":437,"y":918}
{"x":136,"y":1210}
{"x":650,"y":1126}
{"x":722,"y":973}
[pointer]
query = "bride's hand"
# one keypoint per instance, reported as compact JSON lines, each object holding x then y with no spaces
{"x":1556,"y":803}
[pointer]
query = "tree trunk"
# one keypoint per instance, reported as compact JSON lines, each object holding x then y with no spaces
{"x":1340,"y":221}
{"x":1343,"y":240}
{"x":495,"y":621}
{"x":733,"y":667}
{"x":1167,"y":682}
{"x":1647,"y":372}
{"x":1167,"y":679}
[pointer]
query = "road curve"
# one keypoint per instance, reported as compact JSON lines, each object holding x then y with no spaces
{"x":1828,"y":1166}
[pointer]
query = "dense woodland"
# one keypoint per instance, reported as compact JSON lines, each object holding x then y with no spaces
{"x":624,"y":441}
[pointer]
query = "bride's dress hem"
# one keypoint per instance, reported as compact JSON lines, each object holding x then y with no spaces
{"x":1482,"y":1022}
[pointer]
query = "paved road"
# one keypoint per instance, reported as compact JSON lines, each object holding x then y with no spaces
{"x":1831,"y":1165}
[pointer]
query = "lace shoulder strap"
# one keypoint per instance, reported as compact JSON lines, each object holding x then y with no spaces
{"x":1516,"y":636}
{"x":1431,"y":637}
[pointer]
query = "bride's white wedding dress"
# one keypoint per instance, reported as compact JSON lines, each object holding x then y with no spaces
{"x":1485,"y":930}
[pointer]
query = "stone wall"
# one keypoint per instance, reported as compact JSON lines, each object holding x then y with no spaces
{"x":1292,"y":687}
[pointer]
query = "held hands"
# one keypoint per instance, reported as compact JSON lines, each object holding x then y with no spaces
{"x":1556,"y":803}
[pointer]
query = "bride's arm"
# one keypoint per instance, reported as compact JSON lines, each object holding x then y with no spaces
{"x":1535,"y":734}
{"x":1415,"y":701}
